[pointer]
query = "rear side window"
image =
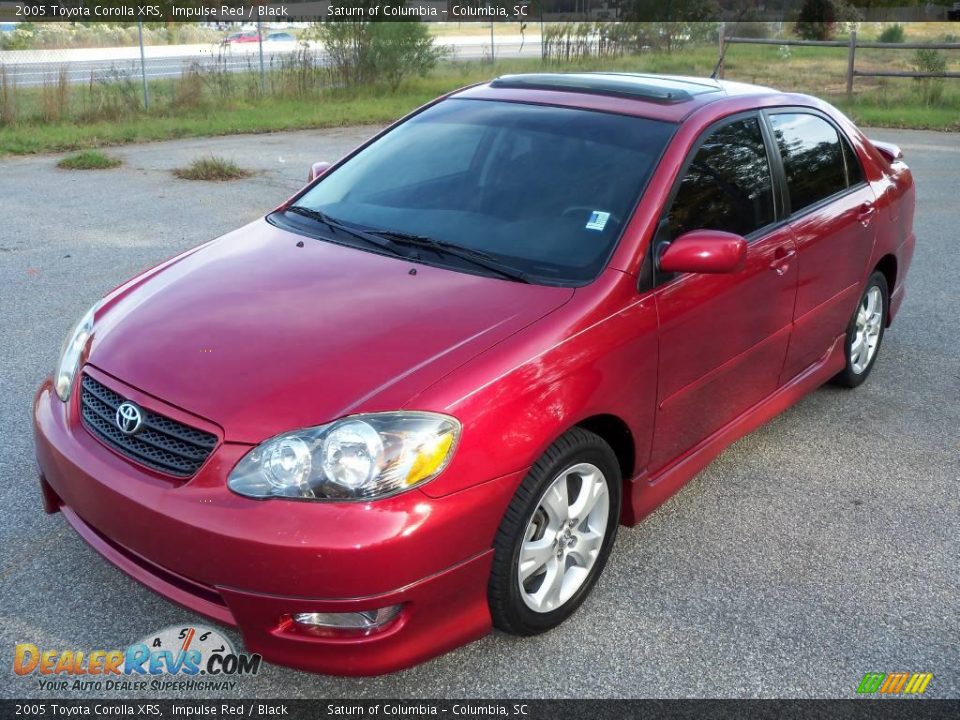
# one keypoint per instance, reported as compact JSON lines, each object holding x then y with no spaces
{"x":812,"y":158}
{"x":728,"y":184}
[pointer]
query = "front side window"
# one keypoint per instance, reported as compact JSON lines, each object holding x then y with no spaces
{"x":812,"y":158}
{"x":544,"y":190}
{"x":727,"y":186}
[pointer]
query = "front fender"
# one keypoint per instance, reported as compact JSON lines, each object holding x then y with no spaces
{"x":595,"y":356}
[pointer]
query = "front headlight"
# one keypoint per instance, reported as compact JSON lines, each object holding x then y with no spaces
{"x":70,"y":354}
{"x":358,"y":458}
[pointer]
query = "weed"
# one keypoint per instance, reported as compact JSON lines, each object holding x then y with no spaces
{"x":213,"y":169}
{"x":89,"y":160}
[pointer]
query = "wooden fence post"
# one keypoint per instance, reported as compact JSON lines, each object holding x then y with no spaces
{"x":851,"y":55}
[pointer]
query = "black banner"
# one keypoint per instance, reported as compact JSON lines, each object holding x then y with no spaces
{"x":598,"y":11}
{"x":919,"y":709}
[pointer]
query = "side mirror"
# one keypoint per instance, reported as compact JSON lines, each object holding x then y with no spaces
{"x":318,"y":169}
{"x":704,"y":251}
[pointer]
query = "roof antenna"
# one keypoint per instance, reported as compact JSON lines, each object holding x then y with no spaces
{"x":716,"y":68}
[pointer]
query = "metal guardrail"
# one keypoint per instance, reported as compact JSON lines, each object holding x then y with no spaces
{"x":852,"y":46}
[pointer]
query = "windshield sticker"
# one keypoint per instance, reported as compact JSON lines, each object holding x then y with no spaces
{"x":598,"y":220}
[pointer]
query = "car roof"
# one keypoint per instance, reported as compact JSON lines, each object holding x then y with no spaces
{"x":660,"y":97}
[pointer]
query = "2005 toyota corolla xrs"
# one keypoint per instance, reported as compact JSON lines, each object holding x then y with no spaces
{"x":417,"y":400}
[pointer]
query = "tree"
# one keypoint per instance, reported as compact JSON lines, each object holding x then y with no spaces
{"x":817,"y":20}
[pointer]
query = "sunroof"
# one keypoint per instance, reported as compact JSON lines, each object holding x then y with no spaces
{"x":640,"y":87}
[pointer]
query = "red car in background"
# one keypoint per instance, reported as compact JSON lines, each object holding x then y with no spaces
{"x":417,"y":399}
{"x":247,"y":36}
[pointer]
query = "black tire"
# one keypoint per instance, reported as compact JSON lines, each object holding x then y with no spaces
{"x":849,"y":377}
{"x":507,"y":606}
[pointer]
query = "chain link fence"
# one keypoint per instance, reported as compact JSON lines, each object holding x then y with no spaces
{"x":53,"y":72}
{"x":105,"y":54}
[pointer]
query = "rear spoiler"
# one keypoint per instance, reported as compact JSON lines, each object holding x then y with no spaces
{"x":891,"y":152}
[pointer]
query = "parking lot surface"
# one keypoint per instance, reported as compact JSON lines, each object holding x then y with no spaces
{"x":821,"y":547}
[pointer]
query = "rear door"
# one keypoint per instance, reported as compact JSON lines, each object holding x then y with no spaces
{"x":831,"y":210}
{"x":723,"y":338}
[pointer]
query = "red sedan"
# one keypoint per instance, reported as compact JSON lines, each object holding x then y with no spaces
{"x":247,"y":36}
{"x":416,"y":400}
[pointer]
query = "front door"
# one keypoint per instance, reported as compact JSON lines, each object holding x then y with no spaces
{"x":723,"y":338}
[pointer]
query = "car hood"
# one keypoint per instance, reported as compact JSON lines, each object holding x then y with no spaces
{"x":261,"y":335}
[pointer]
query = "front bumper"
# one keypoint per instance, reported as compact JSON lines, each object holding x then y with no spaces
{"x":249,"y":563}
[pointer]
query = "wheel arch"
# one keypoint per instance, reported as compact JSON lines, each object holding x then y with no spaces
{"x":616,"y":433}
{"x":888,"y":266}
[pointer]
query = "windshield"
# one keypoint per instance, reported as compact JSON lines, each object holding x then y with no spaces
{"x":541,"y":190}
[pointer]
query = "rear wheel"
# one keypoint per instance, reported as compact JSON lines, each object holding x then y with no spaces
{"x":556,"y":535}
{"x":865,"y":332}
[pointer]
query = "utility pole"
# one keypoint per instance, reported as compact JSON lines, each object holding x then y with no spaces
{"x":263,"y":75}
{"x":143,"y":67}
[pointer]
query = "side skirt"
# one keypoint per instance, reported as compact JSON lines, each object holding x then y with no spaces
{"x":643,"y":494}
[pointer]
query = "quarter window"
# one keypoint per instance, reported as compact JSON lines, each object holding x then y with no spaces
{"x":812,"y":158}
{"x":854,"y":170}
{"x":727,"y":185}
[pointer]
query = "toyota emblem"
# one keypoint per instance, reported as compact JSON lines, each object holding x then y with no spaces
{"x":129,"y":418}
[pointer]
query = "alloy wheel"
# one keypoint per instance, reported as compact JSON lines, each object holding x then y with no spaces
{"x":867,"y":328}
{"x":563,"y":539}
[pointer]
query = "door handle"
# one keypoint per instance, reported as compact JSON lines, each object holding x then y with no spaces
{"x":865,"y":213}
{"x":781,"y":260}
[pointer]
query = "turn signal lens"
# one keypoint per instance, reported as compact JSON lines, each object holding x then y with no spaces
{"x":429,"y":457}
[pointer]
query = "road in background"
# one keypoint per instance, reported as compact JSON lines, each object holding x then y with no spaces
{"x":32,"y":68}
{"x":819,"y":548}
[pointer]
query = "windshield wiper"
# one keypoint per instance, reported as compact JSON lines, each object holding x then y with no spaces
{"x":389,"y":239}
{"x":335,"y":224}
{"x":441,"y":247}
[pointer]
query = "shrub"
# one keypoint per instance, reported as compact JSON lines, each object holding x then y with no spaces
{"x":847,"y":13}
{"x":690,"y":21}
{"x":399,"y":49}
{"x":113,"y":94}
{"x":930,"y":61}
{"x":817,"y":20}
{"x":188,"y":88}
{"x":752,"y":29}
{"x":893,"y":34}
{"x":361,"y":51}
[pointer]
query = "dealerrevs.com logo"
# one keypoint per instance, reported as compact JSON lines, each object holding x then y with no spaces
{"x":177,"y":658}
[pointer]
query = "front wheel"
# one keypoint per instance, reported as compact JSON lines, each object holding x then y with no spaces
{"x":865,"y":332}
{"x":556,"y":535}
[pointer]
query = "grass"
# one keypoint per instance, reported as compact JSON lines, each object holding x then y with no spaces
{"x":199,"y":105}
{"x":89,"y":160}
{"x":212,"y":169}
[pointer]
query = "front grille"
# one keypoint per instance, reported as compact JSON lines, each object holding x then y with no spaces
{"x":161,"y":443}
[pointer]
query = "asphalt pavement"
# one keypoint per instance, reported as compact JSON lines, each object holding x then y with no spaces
{"x":821,"y":547}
